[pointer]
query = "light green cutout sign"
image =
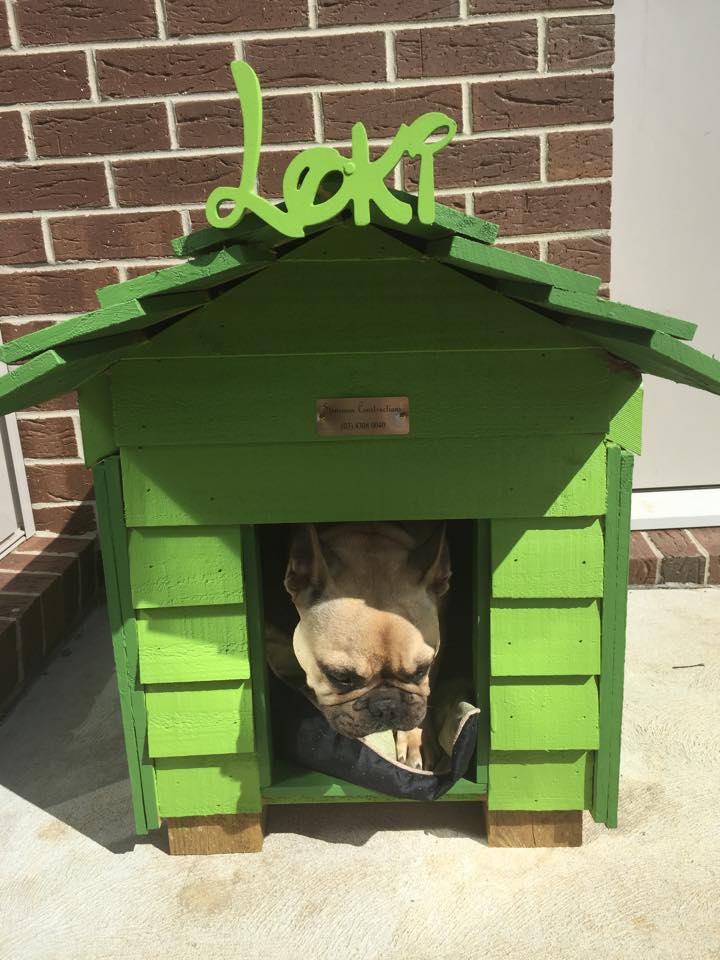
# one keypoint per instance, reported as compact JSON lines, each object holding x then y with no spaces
{"x":362,"y":179}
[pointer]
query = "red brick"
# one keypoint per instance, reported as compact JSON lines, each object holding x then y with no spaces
{"x":115,"y":236}
{"x":21,"y":242}
{"x":67,"y":401}
{"x":477,"y":163}
{"x":187,"y":18}
{"x":53,"y":483}
{"x":100,"y":130}
{"x":173,"y":179}
{"x":72,"y":521}
{"x":36,"y":563}
{"x":454,"y":200}
{"x":586,"y":254}
{"x":12,"y":138}
{"x":4,"y":27}
{"x":25,"y":584}
{"x":48,"y":437}
{"x":9,"y":660}
{"x":579,"y":43}
{"x":159,"y":71}
{"x":11,"y":330}
{"x":579,"y":153}
{"x":41,"y":77}
{"x":479,"y":48}
{"x":67,"y":21}
{"x":53,"y":291}
{"x":53,"y":187}
{"x":530,"y":6}
{"x":333,"y":13}
{"x":526,"y":249}
{"x":682,"y":562}
{"x":340,"y":58}
{"x":382,"y":111}
{"x":218,"y":123}
{"x":547,"y":210}
{"x":709,"y":539}
{"x":55,"y":546}
{"x":644,"y":561}
{"x":542,"y":101}
{"x":142,"y":269}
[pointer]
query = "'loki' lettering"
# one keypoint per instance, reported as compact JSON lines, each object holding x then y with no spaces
{"x":361,"y":180}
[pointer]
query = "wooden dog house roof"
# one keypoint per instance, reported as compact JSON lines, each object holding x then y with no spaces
{"x":61,"y":357}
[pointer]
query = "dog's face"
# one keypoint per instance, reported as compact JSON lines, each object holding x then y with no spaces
{"x":369,"y":629}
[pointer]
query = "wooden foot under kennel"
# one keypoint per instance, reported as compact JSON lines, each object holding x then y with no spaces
{"x":221,"y":833}
{"x":534,"y":828}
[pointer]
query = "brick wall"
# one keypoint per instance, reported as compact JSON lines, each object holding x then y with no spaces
{"x":117,"y":119}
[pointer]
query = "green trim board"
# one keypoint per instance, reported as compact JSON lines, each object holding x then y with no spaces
{"x":540,"y":780}
{"x":204,"y":272}
{"x":536,"y":638}
{"x":202,"y":786}
{"x":543,"y":713}
{"x":197,"y":719}
{"x":547,"y":558}
{"x":106,"y":476}
{"x":193,"y":644}
{"x":626,"y":426}
{"x":506,"y":265}
{"x":124,"y":317}
{"x":96,"y":423}
{"x":459,"y":393}
{"x":185,"y":568}
{"x":583,"y":305}
{"x":617,"y":550}
{"x":187,"y":486}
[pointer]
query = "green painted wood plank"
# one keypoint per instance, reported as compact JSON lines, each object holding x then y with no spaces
{"x":544,"y":713}
{"x":496,"y":262}
{"x":199,"y":274}
{"x":199,"y":719}
{"x":193,"y":644}
{"x":55,"y":372}
{"x":547,"y":558}
{"x":582,"y":305}
{"x":473,"y":316}
{"x":185,"y":568}
{"x":348,"y":242}
{"x":96,"y":425}
{"x":256,"y":636}
{"x":462,"y":393}
{"x":626,"y":426}
{"x":202,"y":786}
{"x":540,"y":781}
{"x":183,"y":486}
{"x":113,"y":539}
{"x":118,"y":640}
{"x":109,"y":321}
{"x":617,"y":552}
{"x":448,"y":221}
{"x":536,"y":638}
{"x":481,"y":643}
{"x":304,"y":786}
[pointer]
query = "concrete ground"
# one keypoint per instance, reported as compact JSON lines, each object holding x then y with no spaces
{"x":370,"y":882}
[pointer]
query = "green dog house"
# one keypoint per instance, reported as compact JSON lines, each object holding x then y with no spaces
{"x":517,"y":401}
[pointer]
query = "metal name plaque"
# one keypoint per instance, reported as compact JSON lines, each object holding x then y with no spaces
{"x":362,"y":416}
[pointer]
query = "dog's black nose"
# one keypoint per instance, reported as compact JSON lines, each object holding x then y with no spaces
{"x":384,"y":708}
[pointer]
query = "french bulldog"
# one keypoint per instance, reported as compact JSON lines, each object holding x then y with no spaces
{"x":369,"y":598}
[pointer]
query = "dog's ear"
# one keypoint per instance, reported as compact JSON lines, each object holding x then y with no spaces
{"x":431,"y":560}
{"x":306,"y":567}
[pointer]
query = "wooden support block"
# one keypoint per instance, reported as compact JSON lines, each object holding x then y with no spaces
{"x":220,"y":833}
{"x":533,"y":828}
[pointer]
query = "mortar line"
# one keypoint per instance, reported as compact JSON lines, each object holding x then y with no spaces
{"x":390,"y":60}
{"x":312,"y":15}
{"x":92,"y":76}
{"x":161,"y":18}
{"x":659,"y":556}
{"x":47,"y":239}
{"x":28,"y":134}
{"x":13,"y":30}
{"x":112,"y":195}
{"x":318,"y":119}
{"x":172,"y":124}
{"x":466,"y":109}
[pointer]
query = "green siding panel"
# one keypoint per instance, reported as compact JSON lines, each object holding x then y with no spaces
{"x":547,"y":558}
{"x":544,"y":714}
{"x":98,"y":435}
{"x":192,"y":720}
{"x":183,"y":568}
{"x":540,"y":781}
{"x":536,"y":638}
{"x":626,"y":426}
{"x":388,"y":477}
{"x":462,"y":393}
{"x":193,"y":644}
{"x":201,"y":786}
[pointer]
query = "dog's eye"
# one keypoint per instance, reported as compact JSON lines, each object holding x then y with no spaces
{"x":344,"y":679}
{"x":419,"y":674}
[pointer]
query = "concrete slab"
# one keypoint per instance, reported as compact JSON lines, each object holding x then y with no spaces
{"x":377,"y":882}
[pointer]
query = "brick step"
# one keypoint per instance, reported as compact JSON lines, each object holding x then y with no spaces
{"x":689,"y":556}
